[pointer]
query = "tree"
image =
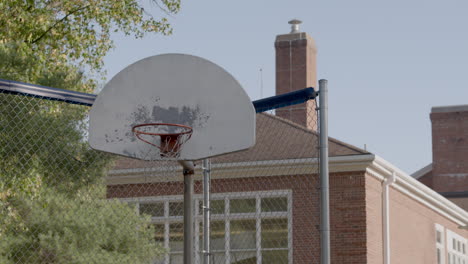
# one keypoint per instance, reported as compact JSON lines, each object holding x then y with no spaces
{"x":55,"y":33}
{"x":52,"y":200}
{"x":51,"y":43}
{"x":57,"y":229}
{"x":43,"y":142}
{"x":50,"y":210}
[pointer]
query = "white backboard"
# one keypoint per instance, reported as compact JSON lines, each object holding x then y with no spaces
{"x":173,"y":88}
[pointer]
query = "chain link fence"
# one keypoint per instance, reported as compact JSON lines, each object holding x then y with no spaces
{"x":62,"y":202}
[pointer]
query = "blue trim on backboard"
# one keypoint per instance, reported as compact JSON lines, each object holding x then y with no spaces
{"x":44,"y":92}
{"x":26,"y":89}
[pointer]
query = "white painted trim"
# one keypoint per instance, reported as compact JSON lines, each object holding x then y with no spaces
{"x":459,"y":255}
{"x":166,"y":233}
{"x":214,"y":196}
{"x":290,"y":227}
{"x":241,"y":170}
{"x":386,"y":217}
{"x":236,"y":165}
{"x":197,"y":231}
{"x":258,"y":227}
{"x":421,"y":172}
{"x":420,"y":192}
{"x":441,"y":245}
{"x":227,"y":228}
{"x":375,"y":174}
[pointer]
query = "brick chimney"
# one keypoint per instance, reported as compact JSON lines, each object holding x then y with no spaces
{"x":296,"y":69}
{"x":450,"y":148}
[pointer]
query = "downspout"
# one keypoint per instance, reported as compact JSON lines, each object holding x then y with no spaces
{"x":386,"y":216}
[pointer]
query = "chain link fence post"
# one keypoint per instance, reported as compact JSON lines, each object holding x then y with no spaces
{"x":206,"y":210}
{"x":324,"y":181}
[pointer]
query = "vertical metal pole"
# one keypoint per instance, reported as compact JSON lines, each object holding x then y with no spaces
{"x":324,"y":185}
{"x":206,"y":210}
{"x":189,"y":171}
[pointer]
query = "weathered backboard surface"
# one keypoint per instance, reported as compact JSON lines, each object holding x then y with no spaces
{"x":173,"y":88}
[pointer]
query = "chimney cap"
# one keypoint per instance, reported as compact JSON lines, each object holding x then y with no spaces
{"x":295,"y":25}
{"x":449,"y":109}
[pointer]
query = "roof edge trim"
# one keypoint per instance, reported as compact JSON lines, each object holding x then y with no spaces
{"x":420,"y":192}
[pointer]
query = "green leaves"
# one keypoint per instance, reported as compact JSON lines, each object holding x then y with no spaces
{"x":57,"y":229}
{"x":42,"y":141}
{"x":77,"y":31}
{"x":45,"y":161}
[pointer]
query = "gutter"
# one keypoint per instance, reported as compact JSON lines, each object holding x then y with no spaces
{"x":416,"y":190}
{"x":386,"y":216}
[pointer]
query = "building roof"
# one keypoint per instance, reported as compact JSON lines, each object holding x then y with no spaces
{"x":422,"y":172}
{"x":290,"y":145}
{"x":276,"y":139}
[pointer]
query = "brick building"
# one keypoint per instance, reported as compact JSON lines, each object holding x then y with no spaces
{"x":448,"y":172}
{"x":265,"y":200}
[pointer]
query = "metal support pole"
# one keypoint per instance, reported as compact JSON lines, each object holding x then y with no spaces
{"x":324,"y":185}
{"x":189,"y":171}
{"x":206,"y":210}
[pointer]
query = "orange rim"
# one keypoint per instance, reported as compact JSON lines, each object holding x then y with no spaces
{"x":138,"y":133}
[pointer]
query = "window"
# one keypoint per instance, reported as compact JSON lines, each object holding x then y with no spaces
{"x":440,"y":248}
{"x":245,"y":227}
{"x":153,"y":209}
{"x":456,"y":248}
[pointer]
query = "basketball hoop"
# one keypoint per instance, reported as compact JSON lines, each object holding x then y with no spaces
{"x":172,"y":137}
{"x":143,"y":122}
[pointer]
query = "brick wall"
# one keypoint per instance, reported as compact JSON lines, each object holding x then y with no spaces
{"x":347,"y":201}
{"x":348,"y":218}
{"x":450,"y":148}
{"x":427,"y":179}
{"x":374,"y":220}
{"x":412,"y":227}
{"x":296,"y":69}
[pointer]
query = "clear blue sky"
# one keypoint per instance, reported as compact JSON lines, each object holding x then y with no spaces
{"x":387,"y":62}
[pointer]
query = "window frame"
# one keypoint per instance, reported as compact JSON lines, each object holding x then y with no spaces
{"x":227,"y":217}
{"x":440,"y":245}
{"x":455,"y":245}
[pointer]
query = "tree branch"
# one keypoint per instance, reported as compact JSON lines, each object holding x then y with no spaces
{"x":161,"y":8}
{"x":58,"y":22}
